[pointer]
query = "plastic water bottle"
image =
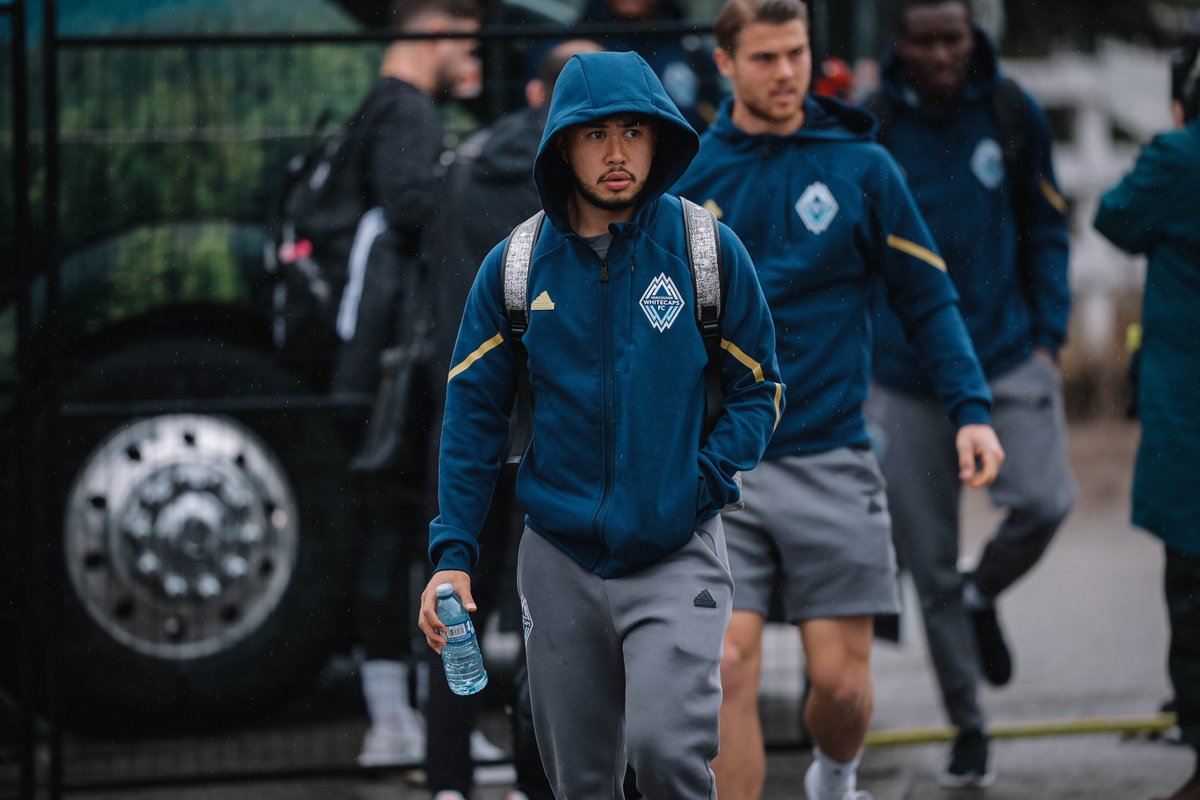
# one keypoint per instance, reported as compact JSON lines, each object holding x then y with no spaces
{"x":460,"y":657}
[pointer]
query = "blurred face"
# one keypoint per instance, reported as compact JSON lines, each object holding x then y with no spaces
{"x":770,"y":69}
{"x":936,"y":46}
{"x":633,"y":9}
{"x":610,"y":160}
{"x":458,"y":68}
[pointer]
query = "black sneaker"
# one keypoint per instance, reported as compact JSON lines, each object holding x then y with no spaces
{"x":968,"y":764}
{"x":994,"y":657}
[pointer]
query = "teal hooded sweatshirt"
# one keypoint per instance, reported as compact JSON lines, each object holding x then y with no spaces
{"x":617,"y":474}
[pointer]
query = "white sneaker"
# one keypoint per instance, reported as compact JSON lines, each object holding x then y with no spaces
{"x":810,"y":787}
{"x":482,"y":749}
{"x":392,"y":746}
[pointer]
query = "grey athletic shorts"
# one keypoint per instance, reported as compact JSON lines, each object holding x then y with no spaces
{"x":817,"y":526}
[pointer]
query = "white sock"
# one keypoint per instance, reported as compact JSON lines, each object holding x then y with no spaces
{"x":834,"y":779}
{"x":385,"y":689}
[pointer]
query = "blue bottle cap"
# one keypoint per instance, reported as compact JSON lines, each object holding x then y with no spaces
{"x":445,"y":589}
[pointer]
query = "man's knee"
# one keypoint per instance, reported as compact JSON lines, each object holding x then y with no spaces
{"x":739,"y":669}
{"x":845,"y":689}
{"x":1044,"y":512}
{"x":741,"y":657}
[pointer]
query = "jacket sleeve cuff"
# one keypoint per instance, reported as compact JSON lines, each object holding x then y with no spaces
{"x":1048,"y":342}
{"x":453,"y":555}
{"x":973,"y":412}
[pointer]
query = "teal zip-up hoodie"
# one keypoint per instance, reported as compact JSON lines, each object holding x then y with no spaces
{"x":616,"y":475}
{"x":824,"y":212}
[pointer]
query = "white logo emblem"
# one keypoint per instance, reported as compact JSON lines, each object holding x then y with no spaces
{"x":817,"y":208}
{"x":987,"y":162}
{"x":526,"y":617}
{"x":662,"y":302}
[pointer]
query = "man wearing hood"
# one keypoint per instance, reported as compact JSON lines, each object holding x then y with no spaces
{"x":824,"y":211}
{"x":998,"y":218}
{"x":622,"y":570}
{"x":488,"y":190}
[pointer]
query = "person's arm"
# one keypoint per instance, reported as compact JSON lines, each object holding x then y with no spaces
{"x":1132,"y":213}
{"x":1043,"y":252}
{"x":480,"y":389}
{"x":920,"y":291}
{"x":753,"y":399}
{"x":406,"y":144}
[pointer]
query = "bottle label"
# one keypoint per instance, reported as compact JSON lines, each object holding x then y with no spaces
{"x":460,"y":632}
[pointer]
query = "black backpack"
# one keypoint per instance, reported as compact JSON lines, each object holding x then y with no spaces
{"x":311,"y":233}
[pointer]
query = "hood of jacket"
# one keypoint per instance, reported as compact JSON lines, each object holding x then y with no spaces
{"x":825,"y":119}
{"x":594,"y":86}
{"x":983,"y":70}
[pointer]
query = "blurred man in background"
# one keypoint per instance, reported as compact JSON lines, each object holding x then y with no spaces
{"x":1155,"y":211}
{"x":823,"y":212}
{"x":394,"y":145}
{"x":975,"y":150}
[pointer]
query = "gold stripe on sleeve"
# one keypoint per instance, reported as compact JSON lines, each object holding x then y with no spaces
{"x":479,"y":353}
{"x":778,"y":403}
{"x":748,"y":362}
{"x":1053,"y":197}
{"x":916,"y":251}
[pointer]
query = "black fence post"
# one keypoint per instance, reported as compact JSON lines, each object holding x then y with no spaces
{"x":22,"y":232}
{"x":45,"y":473}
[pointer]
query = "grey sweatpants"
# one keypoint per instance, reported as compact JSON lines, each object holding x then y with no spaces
{"x":921,"y":467}
{"x":627,"y":670}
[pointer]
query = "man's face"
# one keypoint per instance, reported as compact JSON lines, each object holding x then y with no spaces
{"x":936,"y":46}
{"x":771,"y":69}
{"x":610,"y":159}
{"x":457,"y":63}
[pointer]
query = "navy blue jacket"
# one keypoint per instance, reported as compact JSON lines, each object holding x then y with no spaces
{"x":1014,"y":295}
{"x":823,"y":212}
{"x":616,"y":475}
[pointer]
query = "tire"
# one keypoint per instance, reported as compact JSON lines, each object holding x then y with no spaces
{"x":205,"y":560}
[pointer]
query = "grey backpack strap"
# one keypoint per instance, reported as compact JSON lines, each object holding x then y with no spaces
{"x":704,"y":257}
{"x":518,"y":254}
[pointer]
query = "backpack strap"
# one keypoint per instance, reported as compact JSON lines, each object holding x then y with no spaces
{"x":879,"y":107}
{"x":704,"y":257}
{"x":1010,"y":114}
{"x":518,"y":255}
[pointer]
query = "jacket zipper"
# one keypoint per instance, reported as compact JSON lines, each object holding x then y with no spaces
{"x":606,"y":369}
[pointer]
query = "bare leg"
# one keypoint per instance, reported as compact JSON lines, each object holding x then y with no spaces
{"x":838,"y":654}
{"x":741,"y":766}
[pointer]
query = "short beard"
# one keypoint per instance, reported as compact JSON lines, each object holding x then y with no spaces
{"x":759,"y":112}
{"x":606,"y":203}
